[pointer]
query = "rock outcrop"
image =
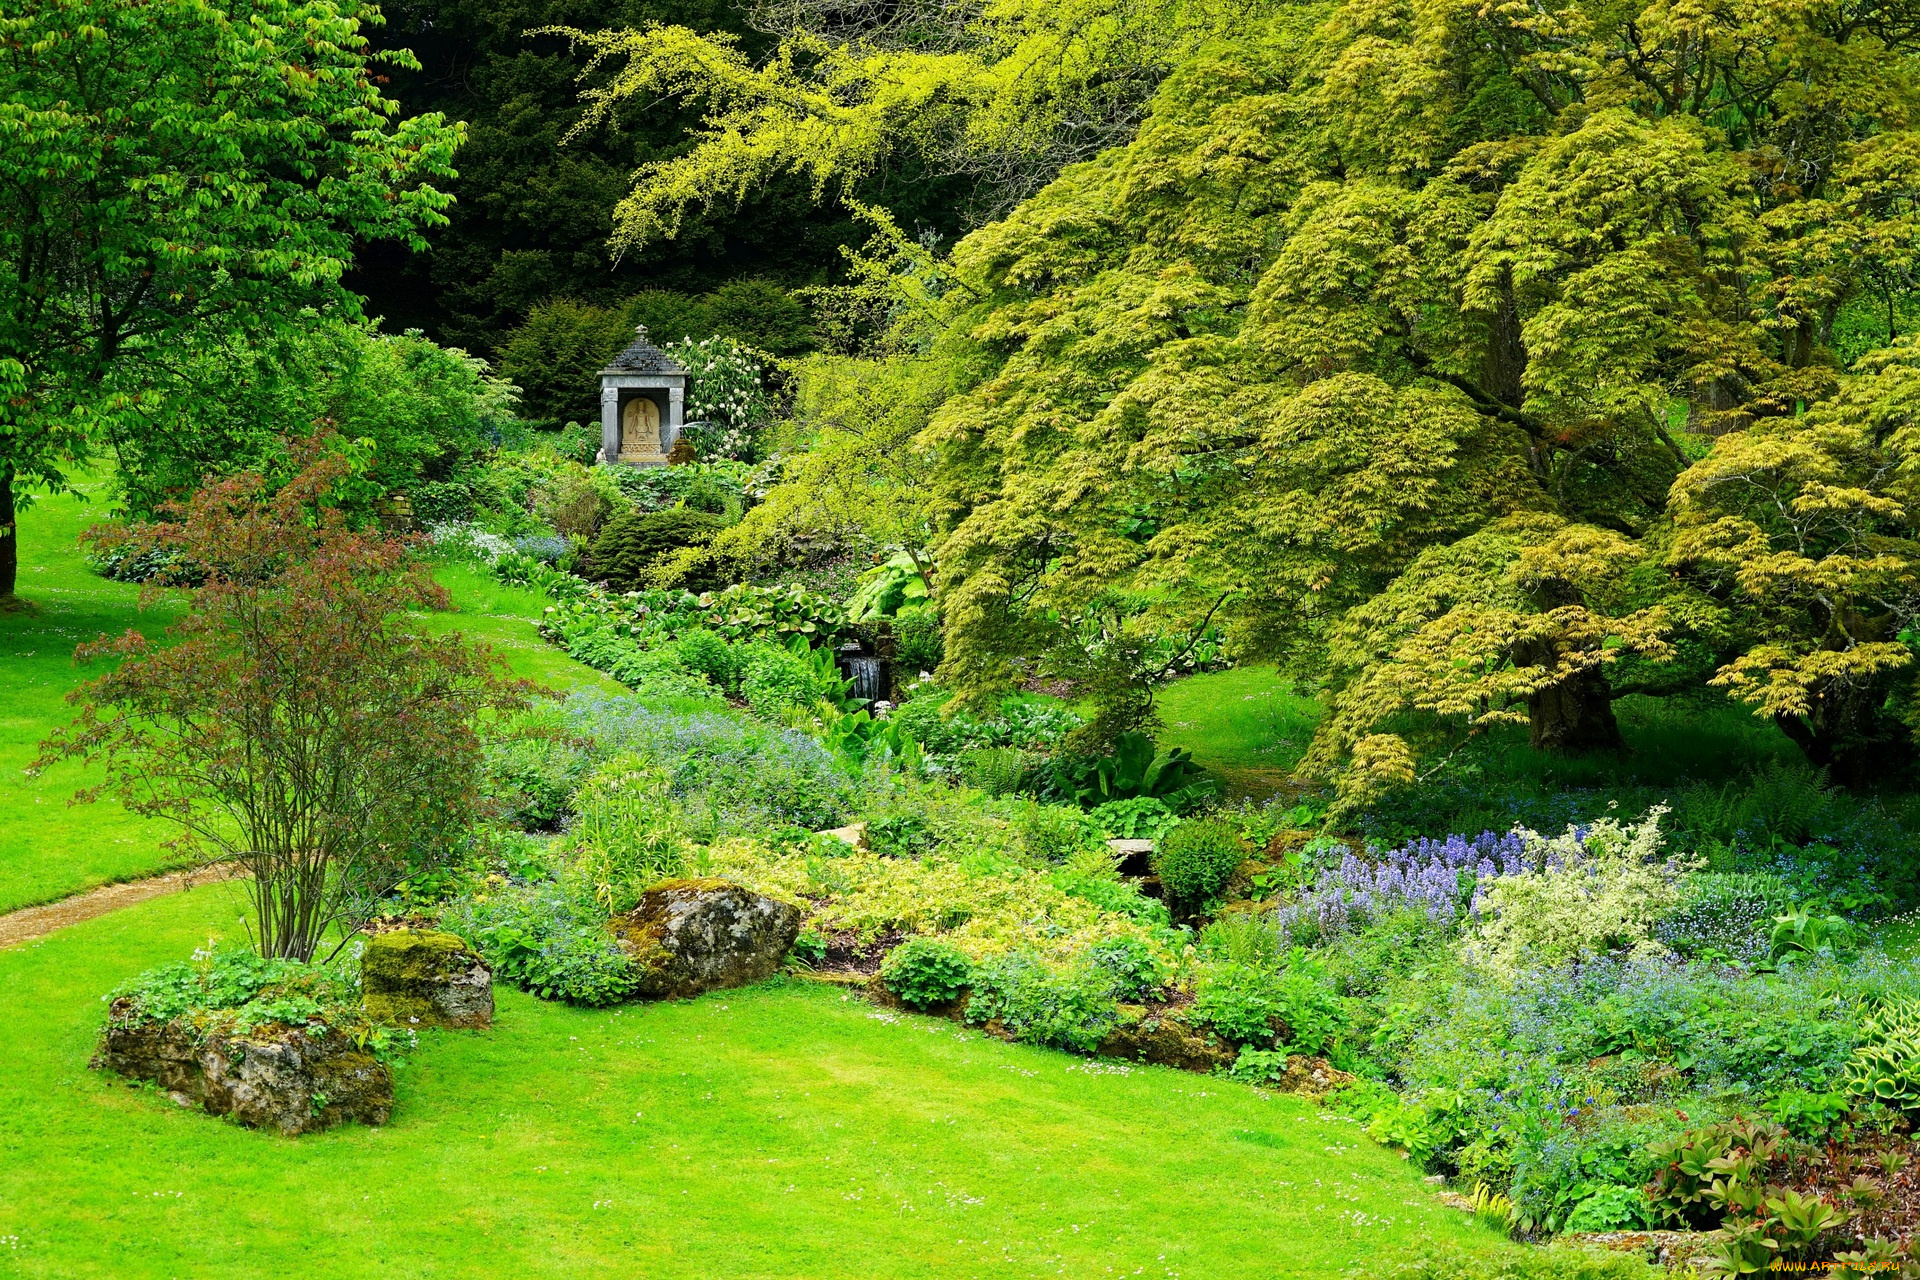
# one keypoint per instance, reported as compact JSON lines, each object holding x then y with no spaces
{"x":1164,"y":1039}
{"x":419,"y":978}
{"x":293,"y":1080}
{"x":1311,"y":1077}
{"x":690,"y":936}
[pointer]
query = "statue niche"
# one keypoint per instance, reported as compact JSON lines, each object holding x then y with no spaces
{"x":640,"y":430}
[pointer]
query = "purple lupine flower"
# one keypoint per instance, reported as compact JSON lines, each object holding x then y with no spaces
{"x":1443,"y":878}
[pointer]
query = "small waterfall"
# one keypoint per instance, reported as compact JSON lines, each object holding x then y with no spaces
{"x":869,"y":676}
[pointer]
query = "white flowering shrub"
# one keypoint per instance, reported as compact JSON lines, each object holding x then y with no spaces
{"x":1586,"y":893}
{"x":726,"y":391}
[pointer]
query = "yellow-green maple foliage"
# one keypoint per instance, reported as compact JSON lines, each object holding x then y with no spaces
{"x":1377,"y":276}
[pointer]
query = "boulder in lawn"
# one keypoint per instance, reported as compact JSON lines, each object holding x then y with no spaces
{"x":294,"y":1079}
{"x":690,"y":936}
{"x":421,"y":978}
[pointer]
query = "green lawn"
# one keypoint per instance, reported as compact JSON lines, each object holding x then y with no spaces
{"x":1246,"y":724}
{"x":48,"y":849}
{"x":782,"y":1131}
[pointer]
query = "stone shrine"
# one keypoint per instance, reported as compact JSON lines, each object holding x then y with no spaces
{"x":642,"y":405}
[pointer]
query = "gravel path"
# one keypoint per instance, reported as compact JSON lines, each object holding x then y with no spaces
{"x":29,"y":923}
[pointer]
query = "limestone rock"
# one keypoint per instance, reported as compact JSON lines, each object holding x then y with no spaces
{"x":420,"y":978}
{"x":293,"y":1080}
{"x":1164,"y":1039}
{"x":690,"y":936}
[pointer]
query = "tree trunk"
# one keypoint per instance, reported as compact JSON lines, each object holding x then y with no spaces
{"x":9,"y":541}
{"x":1851,"y":735}
{"x":1575,"y":715}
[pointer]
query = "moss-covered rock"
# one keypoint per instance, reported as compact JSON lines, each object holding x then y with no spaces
{"x":695,"y":935}
{"x":1165,"y":1039}
{"x":1310,"y":1077}
{"x":296,"y":1080}
{"x":420,"y":978}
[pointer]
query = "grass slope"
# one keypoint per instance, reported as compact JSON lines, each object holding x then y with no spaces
{"x":782,"y":1131}
{"x":47,"y":848}
{"x":1246,"y":725}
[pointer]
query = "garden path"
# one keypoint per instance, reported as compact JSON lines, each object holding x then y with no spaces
{"x":29,"y":923}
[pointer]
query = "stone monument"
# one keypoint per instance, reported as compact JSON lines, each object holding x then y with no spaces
{"x":643,"y":396}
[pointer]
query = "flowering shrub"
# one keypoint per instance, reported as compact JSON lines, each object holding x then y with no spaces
{"x":726,"y":398}
{"x":1585,"y":893}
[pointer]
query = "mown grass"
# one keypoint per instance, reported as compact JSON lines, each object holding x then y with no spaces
{"x":1246,"y":725}
{"x":782,"y":1131}
{"x":47,"y":848}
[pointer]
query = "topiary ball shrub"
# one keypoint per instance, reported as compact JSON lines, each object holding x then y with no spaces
{"x":634,"y":541}
{"x":925,"y":972}
{"x":1195,"y":860}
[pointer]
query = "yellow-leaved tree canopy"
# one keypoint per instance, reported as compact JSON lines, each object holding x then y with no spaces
{"x":1477,"y":361}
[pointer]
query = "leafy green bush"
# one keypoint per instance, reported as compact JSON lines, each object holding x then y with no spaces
{"x":633,"y":543}
{"x":627,"y":835}
{"x":774,"y":679}
{"x":708,"y":655}
{"x":1195,"y":860}
{"x":1138,"y":818}
{"x":1609,"y":1208}
{"x":442,"y":502}
{"x":1131,"y":965}
{"x":925,"y":972}
{"x":655,"y":672}
{"x":1054,"y":833}
{"x":1033,"y":726}
{"x":1070,"y":1008}
{"x":918,"y":646}
{"x":556,"y":354}
{"x":1258,"y":1009}
{"x":546,"y":939}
